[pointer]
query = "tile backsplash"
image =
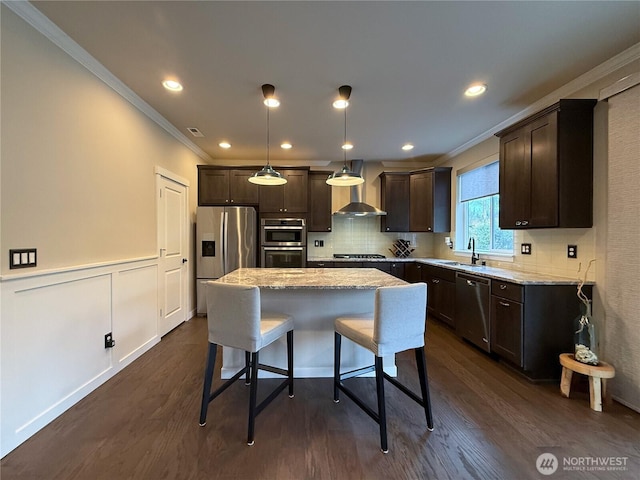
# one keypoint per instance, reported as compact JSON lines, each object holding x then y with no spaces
{"x":548,"y":246}
{"x":363,"y":235}
{"x":548,"y":252}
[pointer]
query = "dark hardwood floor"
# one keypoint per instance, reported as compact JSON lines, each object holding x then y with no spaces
{"x":489,"y":424}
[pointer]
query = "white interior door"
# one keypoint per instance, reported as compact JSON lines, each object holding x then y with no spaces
{"x":172,"y":241}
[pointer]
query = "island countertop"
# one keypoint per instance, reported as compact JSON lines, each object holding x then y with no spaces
{"x":312,"y":278}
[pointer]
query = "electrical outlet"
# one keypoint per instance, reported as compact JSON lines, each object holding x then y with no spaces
{"x":22,"y":257}
{"x":572,"y":251}
{"x":109,"y":342}
{"x":525,"y":248}
{"x":318,"y":243}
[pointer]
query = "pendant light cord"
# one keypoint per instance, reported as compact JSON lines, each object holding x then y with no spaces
{"x":344,"y":150}
{"x":268,"y":164}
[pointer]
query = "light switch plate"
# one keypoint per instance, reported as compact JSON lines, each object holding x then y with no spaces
{"x":22,"y":258}
{"x":525,"y":248}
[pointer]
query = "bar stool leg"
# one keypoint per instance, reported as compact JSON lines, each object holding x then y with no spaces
{"x":382,"y":413}
{"x":208,"y":380}
{"x":247,"y":364}
{"x":421,"y":362}
{"x":290,"y":361}
{"x":252,"y":397}
{"x":336,"y":366}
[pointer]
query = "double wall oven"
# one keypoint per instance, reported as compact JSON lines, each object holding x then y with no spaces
{"x":283,"y":242}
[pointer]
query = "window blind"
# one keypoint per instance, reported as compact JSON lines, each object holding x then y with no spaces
{"x":478,"y":183}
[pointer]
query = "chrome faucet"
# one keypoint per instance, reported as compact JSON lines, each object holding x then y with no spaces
{"x":472,"y":246}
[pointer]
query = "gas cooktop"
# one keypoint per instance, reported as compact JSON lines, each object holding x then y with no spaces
{"x":358,"y":255}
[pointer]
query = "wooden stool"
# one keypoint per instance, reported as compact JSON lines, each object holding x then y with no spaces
{"x":597,"y":378}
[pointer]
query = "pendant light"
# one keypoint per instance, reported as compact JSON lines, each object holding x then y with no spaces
{"x":345,"y":177}
{"x":268,"y":176}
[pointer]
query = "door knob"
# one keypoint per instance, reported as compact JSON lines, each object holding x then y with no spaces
{"x":184,"y":260}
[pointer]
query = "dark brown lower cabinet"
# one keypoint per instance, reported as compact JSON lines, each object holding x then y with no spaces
{"x":413,"y":273}
{"x":532,"y":324}
{"x":441,"y":293}
{"x":506,"y":330}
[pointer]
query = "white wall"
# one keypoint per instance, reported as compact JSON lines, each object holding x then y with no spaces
{"x":77,"y":165}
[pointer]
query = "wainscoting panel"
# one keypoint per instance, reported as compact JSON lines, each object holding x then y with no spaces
{"x":135,"y":316}
{"x":52,"y":338}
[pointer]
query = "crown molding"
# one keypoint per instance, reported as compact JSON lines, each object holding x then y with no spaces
{"x":50,"y":30}
{"x":625,"y":57}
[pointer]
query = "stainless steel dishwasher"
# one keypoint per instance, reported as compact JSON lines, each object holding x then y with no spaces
{"x":472,"y":309}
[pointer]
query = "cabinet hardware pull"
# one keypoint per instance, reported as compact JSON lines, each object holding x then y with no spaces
{"x":435,"y":280}
{"x":518,"y":222}
{"x":503,"y":287}
{"x":525,"y":222}
{"x":470,"y":283}
{"x":485,"y":340}
{"x":505,"y":304}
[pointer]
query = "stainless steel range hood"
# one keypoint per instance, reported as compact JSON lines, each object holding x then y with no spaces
{"x":357,"y":208}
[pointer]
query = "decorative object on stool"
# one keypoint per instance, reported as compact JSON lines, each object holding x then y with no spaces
{"x":401,"y":248}
{"x":597,"y":378}
{"x":585,"y":336}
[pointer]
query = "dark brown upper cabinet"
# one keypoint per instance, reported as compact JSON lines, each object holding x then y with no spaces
{"x":319,"y":210}
{"x":546,"y":168}
{"x":430,"y":200}
{"x":394,"y":199}
{"x":288,"y":198}
{"x":225,"y":186}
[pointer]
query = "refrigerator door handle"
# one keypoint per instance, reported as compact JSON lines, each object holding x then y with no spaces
{"x":225,"y":240}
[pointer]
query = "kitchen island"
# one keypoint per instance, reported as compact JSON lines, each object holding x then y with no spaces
{"x":314,"y":297}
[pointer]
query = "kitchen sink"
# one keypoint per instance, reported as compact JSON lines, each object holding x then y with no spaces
{"x":458,"y":264}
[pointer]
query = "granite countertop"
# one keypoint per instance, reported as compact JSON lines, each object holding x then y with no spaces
{"x":312,"y":278}
{"x":514,"y":276}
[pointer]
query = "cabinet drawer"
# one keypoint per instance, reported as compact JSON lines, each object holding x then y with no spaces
{"x":508,"y":290}
{"x":319,"y":264}
{"x":439,"y":272}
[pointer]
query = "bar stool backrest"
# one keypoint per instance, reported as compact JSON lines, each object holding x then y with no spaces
{"x":233,"y":315}
{"x":399,"y":317}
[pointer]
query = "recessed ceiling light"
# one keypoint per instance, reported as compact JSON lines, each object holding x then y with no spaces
{"x":407,"y":146}
{"x":347,"y":146}
{"x":286,"y":145}
{"x":475,"y":90}
{"x":224,"y":145}
{"x":172,"y":85}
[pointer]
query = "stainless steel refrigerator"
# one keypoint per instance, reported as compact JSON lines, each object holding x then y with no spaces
{"x":226,"y":239}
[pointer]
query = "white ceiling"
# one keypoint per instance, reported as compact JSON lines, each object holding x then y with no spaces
{"x":408,"y":64}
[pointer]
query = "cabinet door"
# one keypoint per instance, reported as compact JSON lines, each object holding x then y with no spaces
{"x":397,"y":269}
{"x":544,"y":173}
{"x":213,"y":186}
{"x":413,"y":272}
{"x":395,"y":201}
{"x":288,"y":198}
{"x":241,"y":190}
{"x":515,"y":183}
{"x":421,"y":203}
{"x":271,"y":198}
{"x":506,"y":329}
{"x":319,"y":211}
{"x":295,"y":191}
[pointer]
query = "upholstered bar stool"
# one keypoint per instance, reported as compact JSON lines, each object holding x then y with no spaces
{"x":235,"y":320}
{"x":397,"y":324}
